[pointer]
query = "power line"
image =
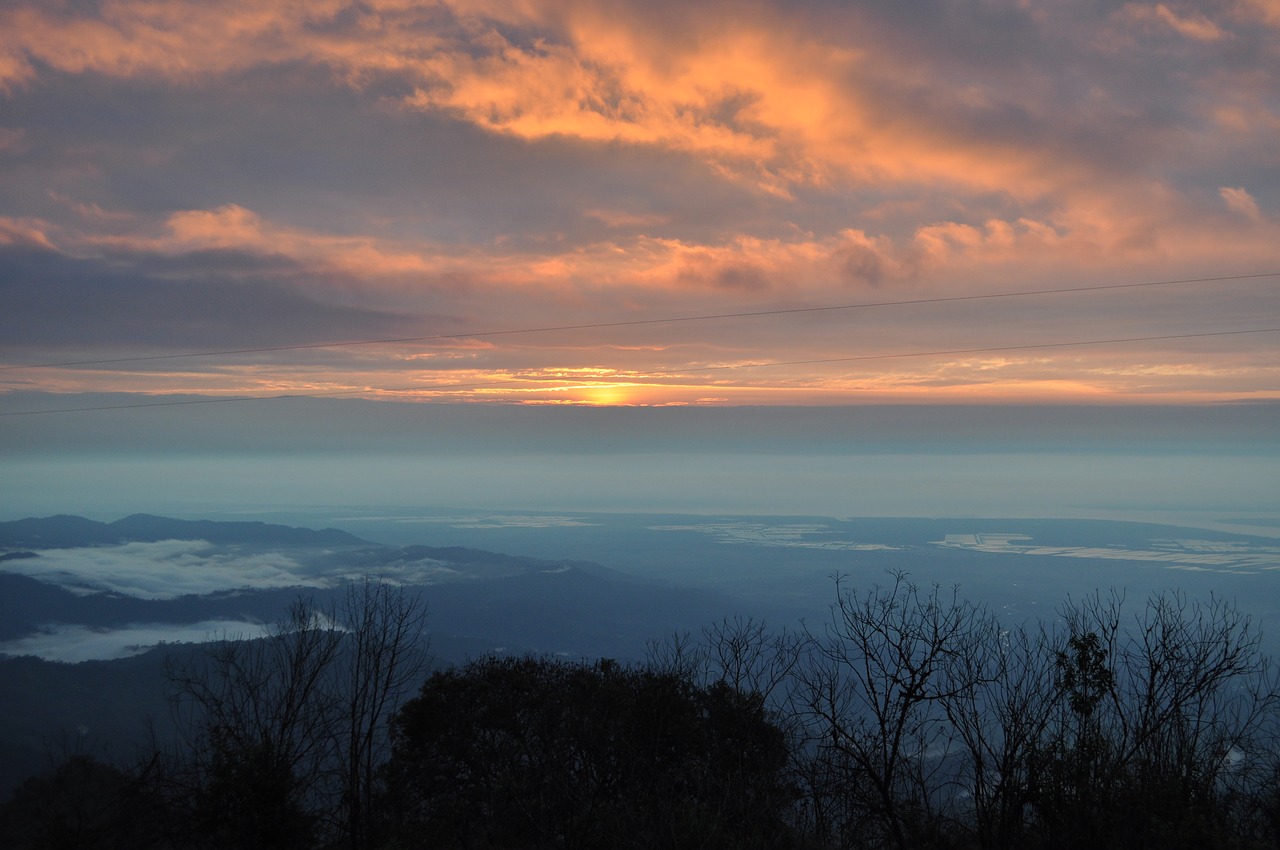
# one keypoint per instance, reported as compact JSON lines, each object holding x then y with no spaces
{"x":994,"y":349}
{"x":636,"y":322}
{"x":487,"y":384}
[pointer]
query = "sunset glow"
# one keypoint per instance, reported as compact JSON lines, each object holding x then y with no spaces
{"x":619,"y":204}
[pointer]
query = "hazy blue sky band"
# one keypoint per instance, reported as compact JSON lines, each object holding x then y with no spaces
{"x":356,"y":426}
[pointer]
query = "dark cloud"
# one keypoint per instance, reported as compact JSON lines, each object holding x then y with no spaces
{"x":860,"y":264}
{"x":741,"y":277}
{"x":296,"y":146}
{"x":209,"y":299}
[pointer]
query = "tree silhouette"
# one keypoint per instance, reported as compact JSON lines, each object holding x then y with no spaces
{"x":873,"y":690}
{"x":914,"y":719}
{"x":85,"y":804}
{"x":383,"y":659}
{"x":530,"y":752}
{"x":1163,"y":723}
{"x":284,"y":734}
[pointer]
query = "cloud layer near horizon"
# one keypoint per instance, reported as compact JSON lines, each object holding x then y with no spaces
{"x":176,"y":175}
{"x":167,"y":569}
{"x":73,"y":643}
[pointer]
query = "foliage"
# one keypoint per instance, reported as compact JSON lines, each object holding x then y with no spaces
{"x":911,"y":718}
{"x":529,"y":752}
{"x":84,"y":804}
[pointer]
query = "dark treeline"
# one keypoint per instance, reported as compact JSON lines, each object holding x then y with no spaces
{"x":911,"y":718}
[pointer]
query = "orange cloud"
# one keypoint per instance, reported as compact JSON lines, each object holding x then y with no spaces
{"x":229,"y":226}
{"x":1266,"y":11}
{"x":1240,"y":201}
{"x":24,"y":232}
{"x":232,"y":226}
{"x":1195,"y":27}
{"x":755,"y":98}
{"x":748,"y":92}
{"x":603,"y":87}
{"x":671,"y":276}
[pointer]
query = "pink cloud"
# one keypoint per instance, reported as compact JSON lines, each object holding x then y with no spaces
{"x":1193,"y":26}
{"x":1238,"y":200}
{"x":22,"y":232}
{"x":1263,"y":11}
{"x":229,"y":226}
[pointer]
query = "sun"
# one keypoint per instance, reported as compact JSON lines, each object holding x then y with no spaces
{"x":605,"y":395}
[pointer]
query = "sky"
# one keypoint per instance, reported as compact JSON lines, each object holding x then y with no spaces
{"x":190,"y":177}
{"x":399,"y":207}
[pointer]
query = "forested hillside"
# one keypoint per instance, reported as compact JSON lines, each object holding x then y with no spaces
{"x":911,"y":718}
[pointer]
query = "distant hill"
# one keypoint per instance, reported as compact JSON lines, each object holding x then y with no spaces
{"x":595,"y":605}
{"x":63,"y":532}
{"x":603,"y":588}
{"x":475,"y":595}
{"x":478,"y":602}
{"x":59,"y":531}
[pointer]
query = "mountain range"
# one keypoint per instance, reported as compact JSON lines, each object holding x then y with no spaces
{"x":478,"y":602}
{"x":91,"y":611}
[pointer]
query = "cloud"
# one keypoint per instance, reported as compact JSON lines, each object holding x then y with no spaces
{"x":1264,"y":11}
{"x":179,"y":175}
{"x":819,"y":96}
{"x":1238,"y":200}
{"x":624,"y":219}
{"x":72,"y":644}
{"x":1193,"y":26}
{"x":183,"y":40}
{"x":211,"y":298}
{"x":170,"y":569}
{"x":234,"y":227}
{"x":229,"y":226}
{"x":166,"y":569}
{"x":23,"y":234}
{"x":739,"y":102}
{"x":758,"y":95}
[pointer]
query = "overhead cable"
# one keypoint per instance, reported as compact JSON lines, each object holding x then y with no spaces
{"x":782,"y":311}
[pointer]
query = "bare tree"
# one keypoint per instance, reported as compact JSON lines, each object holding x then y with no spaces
{"x":286,"y":732}
{"x":677,"y":655}
{"x":385,"y":659}
{"x":873,"y":690}
{"x":258,"y":726}
{"x":750,"y":657}
{"x":999,"y":718}
{"x":1160,"y":718}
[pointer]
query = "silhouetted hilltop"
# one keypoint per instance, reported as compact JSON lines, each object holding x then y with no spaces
{"x":61,"y":531}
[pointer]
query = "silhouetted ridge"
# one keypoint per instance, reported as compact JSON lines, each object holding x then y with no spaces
{"x":148,"y":528}
{"x":60,"y":532}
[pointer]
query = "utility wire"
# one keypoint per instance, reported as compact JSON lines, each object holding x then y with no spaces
{"x":487,"y":384}
{"x":636,"y":322}
{"x":990,"y":349}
